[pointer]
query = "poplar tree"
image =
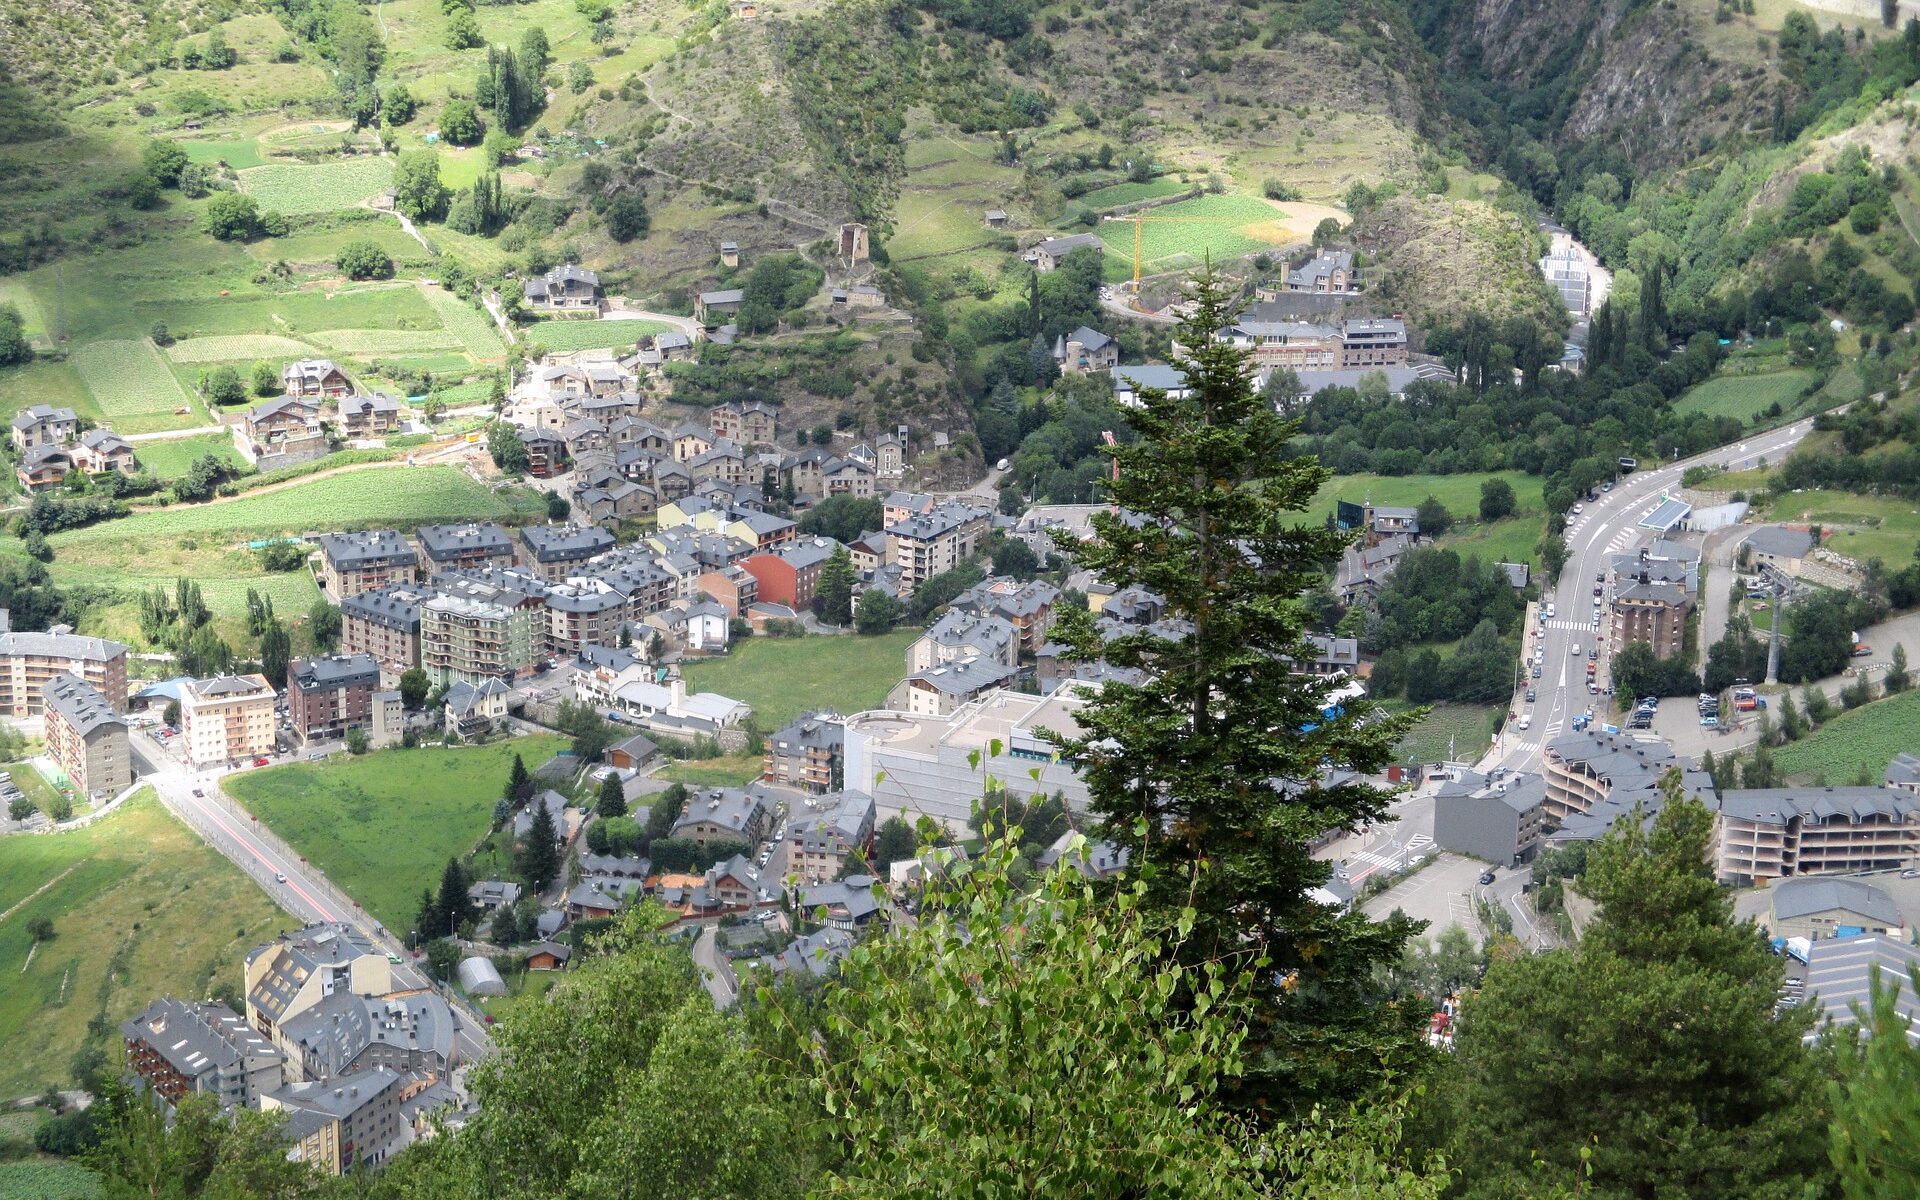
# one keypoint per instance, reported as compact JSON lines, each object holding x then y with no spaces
{"x":1224,"y":757}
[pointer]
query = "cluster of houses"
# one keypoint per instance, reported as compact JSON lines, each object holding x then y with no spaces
{"x":292,"y":428}
{"x":360,"y":1065}
{"x":52,"y":446}
{"x":580,"y":415}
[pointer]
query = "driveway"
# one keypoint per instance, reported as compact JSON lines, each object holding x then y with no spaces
{"x":1439,"y":893}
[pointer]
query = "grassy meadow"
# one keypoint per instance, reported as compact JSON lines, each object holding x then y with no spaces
{"x":141,"y":908}
{"x":383,"y":825}
{"x":784,"y":677}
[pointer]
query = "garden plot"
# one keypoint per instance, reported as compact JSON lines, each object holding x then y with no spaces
{"x":295,"y":188}
{"x":237,"y":347}
{"x":128,"y":378}
{"x":386,"y":341}
{"x":562,"y":336}
{"x":474,"y":328}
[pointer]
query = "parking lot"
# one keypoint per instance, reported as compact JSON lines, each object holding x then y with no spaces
{"x":1440,"y":894}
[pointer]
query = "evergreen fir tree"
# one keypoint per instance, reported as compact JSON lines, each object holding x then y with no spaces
{"x":451,"y":908}
{"x":613,"y":797}
{"x":519,"y":782}
{"x":1221,"y":760}
{"x":539,"y":859}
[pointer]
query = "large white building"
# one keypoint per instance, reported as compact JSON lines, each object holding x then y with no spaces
{"x":920,"y":764}
{"x":227,"y":719}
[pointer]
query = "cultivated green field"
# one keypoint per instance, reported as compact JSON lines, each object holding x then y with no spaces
{"x":128,"y":379}
{"x":1861,"y":527}
{"x":296,"y":188}
{"x":1743,"y":397}
{"x":237,"y":347}
{"x":382,"y":826}
{"x":1462,"y":729}
{"x":783,"y":677}
{"x":47,"y":1179}
{"x":239,"y":154}
{"x":1515,"y":539}
{"x":1131,"y":193}
{"x":141,"y":908}
{"x":1865,"y":739}
{"x":560,"y":336}
{"x":475,"y":330}
{"x":385,"y":341}
{"x":399,"y":496}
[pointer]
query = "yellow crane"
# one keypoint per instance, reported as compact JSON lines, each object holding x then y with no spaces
{"x":1141,"y":219}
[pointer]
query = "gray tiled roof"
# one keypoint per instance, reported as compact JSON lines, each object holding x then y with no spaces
{"x":336,"y":671}
{"x":389,"y":607}
{"x":339,"y":1099}
{"x":565,"y":543}
{"x":443,"y":543}
{"x":371,"y":548}
{"x":79,"y":705}
{"x":1805,"y":895}
{"x":1777,"y":806}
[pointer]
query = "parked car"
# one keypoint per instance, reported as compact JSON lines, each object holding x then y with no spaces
{"x":261,"y":761}
{"x":1526,"y":720}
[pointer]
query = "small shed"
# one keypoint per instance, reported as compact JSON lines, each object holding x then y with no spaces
{"x":996,"y":218}
{"x":479,"y":978}
{"x":549,"y":956}
{"x":730,"y":254}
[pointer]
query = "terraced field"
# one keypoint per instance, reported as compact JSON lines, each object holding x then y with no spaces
{"x":551,"y":336}
{"x":296,"y":188}
{"x":386,"y":341}
{"x":474,"y":328}
{"x":128,"y":378}
{"x":398,"y":496}
{"x":237,"y":347}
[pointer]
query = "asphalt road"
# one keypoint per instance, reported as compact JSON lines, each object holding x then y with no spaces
{"x":294,"y":884}
{"x":1608,"y":526}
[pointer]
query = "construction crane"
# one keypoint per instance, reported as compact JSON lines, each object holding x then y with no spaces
{"x":1139,"y":220}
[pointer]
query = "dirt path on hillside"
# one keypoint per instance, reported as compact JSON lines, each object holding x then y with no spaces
{"x":270,"y":488}
{"x":38,"y":891}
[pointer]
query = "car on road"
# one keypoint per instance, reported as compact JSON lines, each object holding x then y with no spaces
{"x":1486,"y":876}
{"x":1607,"y":486}
{"x":1532,"y":695}
{"x":1594,"y":653}
{"x":1536,"y":670}
{"x":1526,"y":721}
{"x":200,"y":793}
{"x":260,"y":762}
{"x":393,"y":958}
{"x":1599,"y":589}
{"x":1002,"y":465}
{"x":1575,"y":650}
{"x":1577,"y":509}
{"x":1862,"y":650}
{"x":279,"y":876}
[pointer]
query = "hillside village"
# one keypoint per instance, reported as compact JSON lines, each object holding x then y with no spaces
{"x":563,"y":557}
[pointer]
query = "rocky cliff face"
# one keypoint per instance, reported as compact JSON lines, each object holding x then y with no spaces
{"x":1660,"y":81}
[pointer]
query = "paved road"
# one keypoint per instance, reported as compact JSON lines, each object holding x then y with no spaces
{"x":715,"y":971}
{"x":1609,"y":526}
{"x":293,"y":884}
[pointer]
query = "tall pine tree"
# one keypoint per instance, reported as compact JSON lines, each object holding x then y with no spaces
{"x":540,"y":852}
{"x":1650,"y":1054}
{"x":1224,"y":760}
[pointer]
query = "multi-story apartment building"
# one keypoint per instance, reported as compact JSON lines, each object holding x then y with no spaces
{"x":807,"y":754}
{"x":467,"y":640}
{"x":86,"y":738}
{"x":517,"y":591}
{"x":475,"y":544}
{"x":345,"y":1035}
{"x":581,"y":613}
{"x":28,"y":660}
{"x":1373,"y":342}
{"x":1653,"y":612}
{"x":1277,"y":339}
{"x":384,"y":624}
{"x":337,"y":1126}
{"x":180,"y":1047}
{"x":327,"y":696}
{"x":1768,"y":833}
{"x":553,"y":552}
{"x":227,"y":719}
{"x":1593,"y":778}
{"x":819,"y":840}
{"x":286,"y":977}
{"x":1028,"y":607}
{"x":788,"y":573}
{"x":352,"y":563}
{"x":938,"y":540}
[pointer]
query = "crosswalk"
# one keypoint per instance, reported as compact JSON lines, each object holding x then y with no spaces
{"x":1564,"y":623}
{"x":1374,"y":860}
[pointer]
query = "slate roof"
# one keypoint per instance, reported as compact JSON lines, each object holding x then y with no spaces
{"x":371,"y":548}
{"x":1777,"y":806}
{"x":85,"y":709}
{"x":1840,"y":973}
{"x":336,"y":671}
{"x":388,"y":607}
{"x":1780,"y":542}
{"x":1805,"y":895}
{"x":565,"y":543}
{"x":36,"y":414}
